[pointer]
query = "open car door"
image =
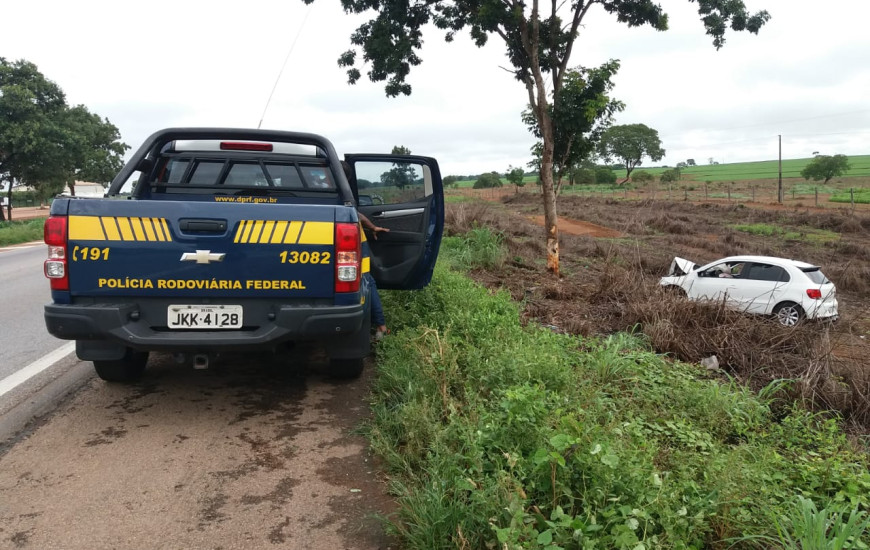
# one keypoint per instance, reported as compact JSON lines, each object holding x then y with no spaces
{"x":402,"y":193}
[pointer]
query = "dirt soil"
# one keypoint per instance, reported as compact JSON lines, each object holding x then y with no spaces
{"x":252,"y":453}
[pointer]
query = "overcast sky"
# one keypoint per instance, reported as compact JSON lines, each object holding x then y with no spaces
{"x":214,"y":63}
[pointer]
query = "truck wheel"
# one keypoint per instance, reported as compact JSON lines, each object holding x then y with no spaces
{"x":127,"y":369}
{"x":346,"y":368}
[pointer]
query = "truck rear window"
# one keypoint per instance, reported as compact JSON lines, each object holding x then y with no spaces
{"x":181,"y":174}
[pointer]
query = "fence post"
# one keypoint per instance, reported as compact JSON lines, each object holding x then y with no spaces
{"x":852,"y":197}
{"x":685,"y":194}
{"x":669,"y":191}
{"x":705,"y":191}
{"x":792,"y":193}
{"x":625,"y":193}
{"x":817,"y":197}
{"x":753,"y":193}
{"x":729,"y":193}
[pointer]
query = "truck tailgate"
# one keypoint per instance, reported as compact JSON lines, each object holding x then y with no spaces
{"x":203,"y":250}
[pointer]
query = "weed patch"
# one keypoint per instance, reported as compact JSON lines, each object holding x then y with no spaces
{"x":16,"y":232}
{"x":500,"y":435}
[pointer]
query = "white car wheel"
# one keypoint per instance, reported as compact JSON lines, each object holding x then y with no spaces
{"x":788,"y":314}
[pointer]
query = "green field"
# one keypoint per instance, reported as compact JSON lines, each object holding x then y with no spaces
{"x":739,"y":171}
{"x":766,"y":169}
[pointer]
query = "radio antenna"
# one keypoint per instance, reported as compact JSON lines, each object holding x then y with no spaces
{"x":293,"y":45}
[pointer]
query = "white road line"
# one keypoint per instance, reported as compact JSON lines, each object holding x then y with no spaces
{"x":21,"y":246}
{"x":14,"y":380}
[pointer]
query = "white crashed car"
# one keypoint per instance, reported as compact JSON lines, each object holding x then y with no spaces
{"x":764,"y":285}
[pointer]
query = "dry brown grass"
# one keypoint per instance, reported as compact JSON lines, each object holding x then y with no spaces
{"x":755,"y":349}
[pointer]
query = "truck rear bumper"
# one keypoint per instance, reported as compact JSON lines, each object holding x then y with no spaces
{"x":141,"y":326}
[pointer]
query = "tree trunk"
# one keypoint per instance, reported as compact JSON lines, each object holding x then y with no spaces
{"x":551,"y":220}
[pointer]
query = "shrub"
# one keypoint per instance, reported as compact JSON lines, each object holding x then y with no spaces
{"x":604,"y":175}
{"x":488,"y":180}
{"x":642,"y":176}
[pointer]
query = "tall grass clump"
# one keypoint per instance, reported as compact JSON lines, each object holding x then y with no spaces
{"x":480,"y":247}
{"x":496,"y":435}
{"x":16,"y":232}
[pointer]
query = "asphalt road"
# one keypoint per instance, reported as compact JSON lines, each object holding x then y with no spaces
{"x":258,"y":451}
{"x":23,"y":293}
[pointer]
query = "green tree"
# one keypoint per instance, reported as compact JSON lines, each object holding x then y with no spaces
{"x":45,"y":143}
{"x":449,"y":180}
{"x":584,"y":173}
{"x":825,"y":167}
{"x":402,"y":173}
{"x":539,"y":39}
{"x":604,"y":175}
{"x":642,"y":176}
{"x":94,"y":151}
{"x":630,"y":143}
{"x":670,"y":176}
{"x":580,"y":115}
{"x":487,"y":180}
{"x":515,"y":176}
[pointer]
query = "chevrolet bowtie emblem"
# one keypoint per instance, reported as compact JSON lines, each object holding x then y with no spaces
{"x":202,"y":256}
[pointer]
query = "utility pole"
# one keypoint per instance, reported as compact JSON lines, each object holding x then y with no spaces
{"x":779,"y":187}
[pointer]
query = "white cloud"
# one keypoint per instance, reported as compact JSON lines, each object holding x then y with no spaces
{"x":148,"y":66}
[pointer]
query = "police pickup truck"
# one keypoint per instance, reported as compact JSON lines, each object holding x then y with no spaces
{"x":213,"y":240}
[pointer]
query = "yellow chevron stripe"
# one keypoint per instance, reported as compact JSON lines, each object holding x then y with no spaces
{"x":293,"y":233}
{"x":158,"y":230}
{"x":366,"y":264}
{"x":166,"y":229}
{"x":257,"y":231}
{"x":111,"y":228}
{"x":149,"y":229}
{"x":126,"y":230}
{"x":118,"y":228}
{"x":137,"y":229}
{"x":247,"y":232}
{"x":317,"y":233}
{"x":278,"y":233}
{"x":86,"y":228}
{"x":268,"y":228}
{"x":240,"y":230}
{"x":284,"y":232}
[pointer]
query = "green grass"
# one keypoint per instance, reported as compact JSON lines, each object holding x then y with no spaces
{"x":16,"y":232}
{"x":497,"y":435}
{"x":766,"y":169}
{"x":742,"y":171}
{"x":805,"y":234}
{"x":862,"y":196}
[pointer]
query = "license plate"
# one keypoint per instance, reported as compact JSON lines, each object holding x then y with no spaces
{"x":204,"y":317}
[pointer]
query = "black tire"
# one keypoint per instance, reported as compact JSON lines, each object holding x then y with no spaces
{"x":127,"y":369}
{"x":346,"y":368}
{"x":788,"y":314}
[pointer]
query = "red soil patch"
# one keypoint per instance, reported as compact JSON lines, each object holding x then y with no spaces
{"x":576,"y":227}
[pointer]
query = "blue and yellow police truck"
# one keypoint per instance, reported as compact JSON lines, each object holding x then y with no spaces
{"x":221,"y":239}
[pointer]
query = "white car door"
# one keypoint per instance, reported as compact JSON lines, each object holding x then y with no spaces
{"x":713,"y":284}
{"x":764,"y":285}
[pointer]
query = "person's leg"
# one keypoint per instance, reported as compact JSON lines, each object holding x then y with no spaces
{"x":378,"y":319}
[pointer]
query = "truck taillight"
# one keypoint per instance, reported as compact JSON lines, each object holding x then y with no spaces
{"x":347,"y":257}
{"x":54,"y":234}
